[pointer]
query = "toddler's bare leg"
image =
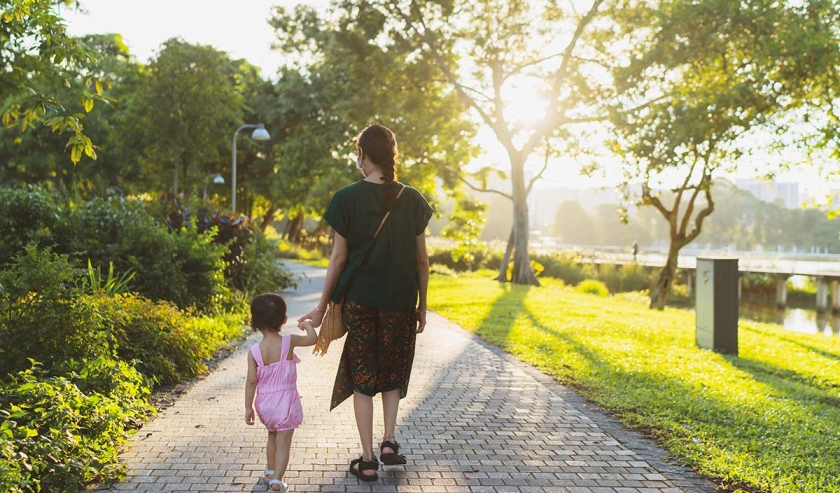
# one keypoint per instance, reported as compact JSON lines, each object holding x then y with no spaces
{"x":270,"y":450}
{"x":283,"y":448}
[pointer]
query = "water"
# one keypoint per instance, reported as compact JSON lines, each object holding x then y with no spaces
{"x":794,"y":319}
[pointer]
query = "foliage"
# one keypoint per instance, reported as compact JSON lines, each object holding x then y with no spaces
{"x":251,"y":263}
{"x":27,"y":215}
{"x":155,"y":336}
{"x":684,"y":110}
{"x":111,"y":285}
{"x":464,"y":227}
{"x":488,"y":50}
{"x":61,"y":437}
{"x":35,"y":43}
{"x":191,"y":107}
{"x":591,"y":286}
{"x":330,"y":56}
{"x":763,"y":421}
{"x":46,"y":317}
{"x":186,"y":268}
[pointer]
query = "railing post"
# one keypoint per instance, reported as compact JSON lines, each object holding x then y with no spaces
{"x":822,"y":295}
{"x":835,"y":296}
{"x":781,"y":291}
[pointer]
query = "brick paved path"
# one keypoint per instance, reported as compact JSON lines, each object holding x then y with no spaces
{"x":475,"y":420}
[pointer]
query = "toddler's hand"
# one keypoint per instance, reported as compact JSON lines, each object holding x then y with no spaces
{"x":305,"y":325}
{"x":249,"y":416}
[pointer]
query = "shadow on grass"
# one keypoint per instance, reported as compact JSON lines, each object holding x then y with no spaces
{"x":696,"y":423}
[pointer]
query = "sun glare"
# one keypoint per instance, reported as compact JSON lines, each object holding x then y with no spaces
{"x":524,"y":105}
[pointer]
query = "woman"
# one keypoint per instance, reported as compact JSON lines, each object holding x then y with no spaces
{"x":384,"y":299}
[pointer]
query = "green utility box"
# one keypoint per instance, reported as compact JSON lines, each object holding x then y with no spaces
{"x":717,"y":304}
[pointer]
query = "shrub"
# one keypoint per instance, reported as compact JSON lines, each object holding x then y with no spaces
{"x":260,"y":272}
{"x":155,"y":336}
{"x":47,"y":318}
{"x":562,"y":265}
{"x":250,"y":258}
{"x":61,"y":438}
{"x":27,"y":216}
{"x":115,"y":379}
{"x":184,"y":268}
{"x":591,"y":286}
{"x":628,"y":277}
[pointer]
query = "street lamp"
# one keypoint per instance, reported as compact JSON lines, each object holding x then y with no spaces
{"x":217,"y":180}
{"x":260,"y":133}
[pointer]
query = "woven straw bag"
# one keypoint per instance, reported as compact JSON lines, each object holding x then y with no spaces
{"x":332,"y":327}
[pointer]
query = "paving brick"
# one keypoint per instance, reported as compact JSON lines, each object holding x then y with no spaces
{"x":475,"y":421}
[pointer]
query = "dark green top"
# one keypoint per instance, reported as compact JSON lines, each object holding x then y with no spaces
{"x":388,"y":277}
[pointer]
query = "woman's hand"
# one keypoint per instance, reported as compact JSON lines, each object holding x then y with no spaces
{"x":316,"y":316}
{"x":249,"y":416}
{"x":421,"y":320}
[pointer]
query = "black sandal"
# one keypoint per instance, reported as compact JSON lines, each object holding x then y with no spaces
{"x":364,"y":465}
{"x":391,"y":458}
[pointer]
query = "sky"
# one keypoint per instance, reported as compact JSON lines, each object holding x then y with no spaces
{"x":241,"y":29}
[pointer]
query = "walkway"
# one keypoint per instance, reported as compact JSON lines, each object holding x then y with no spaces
{"x":475,"y":420}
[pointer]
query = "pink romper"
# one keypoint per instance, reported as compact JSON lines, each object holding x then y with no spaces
{"x":278,"y":402}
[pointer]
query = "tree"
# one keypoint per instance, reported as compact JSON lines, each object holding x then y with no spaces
{"x":702,"y":76}
{"x":502,"y":46}
{"x":573,"y":225}
{"x":33,"y":43}
{"x":190,"y":108}
{"x":343,"y":73}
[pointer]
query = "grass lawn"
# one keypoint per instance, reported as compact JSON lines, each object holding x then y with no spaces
{"x":767,"y":420}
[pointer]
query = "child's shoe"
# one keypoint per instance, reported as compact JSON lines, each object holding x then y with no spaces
{"x":277,"y":485}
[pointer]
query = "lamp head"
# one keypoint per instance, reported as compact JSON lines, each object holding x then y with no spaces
{"x":218,"y":179}
{"x":260,"y":133}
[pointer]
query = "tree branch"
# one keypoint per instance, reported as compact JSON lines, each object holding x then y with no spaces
{"x":551,"y":113}
{"x":486,"y":190}
{"x":429,"y":41}
{"x":539,"y":175}
{"x":698,"y":223}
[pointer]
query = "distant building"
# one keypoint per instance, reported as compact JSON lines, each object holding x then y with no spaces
{"x":785,"y":194}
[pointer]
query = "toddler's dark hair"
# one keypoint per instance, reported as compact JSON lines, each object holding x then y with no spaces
{"x":268,"y":312}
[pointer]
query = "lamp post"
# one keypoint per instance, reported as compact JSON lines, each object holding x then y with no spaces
{"x":259,"y":133}
{"x":217,"y":180}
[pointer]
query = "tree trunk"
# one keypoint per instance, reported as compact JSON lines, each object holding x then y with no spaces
{"x":506,"y":259}
{"x":293,"y":227}
{"x":268,"y":218}
{"x":660,"y":291}
{"x":522,"y":272}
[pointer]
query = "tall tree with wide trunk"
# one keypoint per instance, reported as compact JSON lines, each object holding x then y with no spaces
{"x":505,"y":49}
{"x":702,"y":79}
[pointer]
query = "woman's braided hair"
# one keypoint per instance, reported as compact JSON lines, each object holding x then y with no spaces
{"x":379,"y":144}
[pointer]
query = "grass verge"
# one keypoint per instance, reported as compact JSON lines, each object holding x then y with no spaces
{"x":766,"y":420}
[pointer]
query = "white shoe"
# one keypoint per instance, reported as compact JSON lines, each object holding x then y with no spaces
{"x":276,"y":482}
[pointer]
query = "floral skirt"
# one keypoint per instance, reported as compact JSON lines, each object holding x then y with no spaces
{"x":378,"y":352}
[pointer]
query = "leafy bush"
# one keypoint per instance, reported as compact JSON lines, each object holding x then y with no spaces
{"x":260,"y":272}
{"x":185,"y":268}
{"x":54,"y":437}
{"x":591,"y":286}
{"x":27,"y":215}
{"x":115,"y":379}
{"x":47,"y":318}
{"x":628,"y":277}
{"x":250,"y":257}
{"x":155,"y":336}
{"x":563,"y":265}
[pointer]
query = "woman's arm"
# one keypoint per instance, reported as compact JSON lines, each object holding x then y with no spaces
{"x":338,"y":260}
{"x":423,"y":276}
